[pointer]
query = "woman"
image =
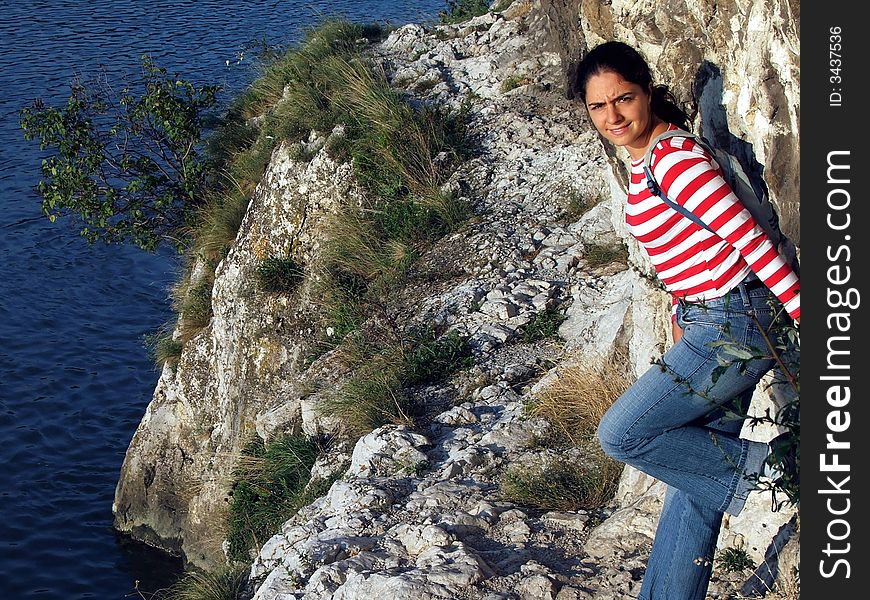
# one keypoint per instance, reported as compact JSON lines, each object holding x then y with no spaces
{"x":672,"y":422}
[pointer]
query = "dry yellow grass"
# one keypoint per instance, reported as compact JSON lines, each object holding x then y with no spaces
{"x":582,"y":393}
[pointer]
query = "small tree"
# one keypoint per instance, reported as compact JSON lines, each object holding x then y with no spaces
{"x":128,"y":163}
{"x":463,"y":10}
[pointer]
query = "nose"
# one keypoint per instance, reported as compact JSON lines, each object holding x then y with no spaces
{"x":613,"y":115}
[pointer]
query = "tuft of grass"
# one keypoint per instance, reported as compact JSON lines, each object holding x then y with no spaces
{"x":514,"y":81}
{"x":577,"y":205}
{"x":341,"y":294}
{"x":564,"y":484}
{"x":372,"y":397}
{"x":732,"y":560}
{"x":165,"y":349}
{"x":196,"y":310}
{"x":452,"y":210}
{"x":330,"y":37}
{"x":599,"y":255}
{"x":393,"y":145}
{"x":459,"y":11}
{"x":279,"y":275}
{"x":223,"y":584}
{"x":385,"y":365}
{"x":545,"y":324}
{"x":269,"y":487}
{"x":220,"y":222}
{"x":408,"y":221}
{"x":432,"y":359}
{"x":579,"y":397}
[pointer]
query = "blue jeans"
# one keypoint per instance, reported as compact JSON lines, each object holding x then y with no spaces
{"x":680,"y":423}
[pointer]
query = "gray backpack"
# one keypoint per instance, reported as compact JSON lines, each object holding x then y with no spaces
{"x":752,"y":196}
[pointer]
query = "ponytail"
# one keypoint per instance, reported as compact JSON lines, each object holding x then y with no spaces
{"x":665,"y":107}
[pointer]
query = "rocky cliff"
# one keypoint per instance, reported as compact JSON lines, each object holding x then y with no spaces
{"x":419,"y":514}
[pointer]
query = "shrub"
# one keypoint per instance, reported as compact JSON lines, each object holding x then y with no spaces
{"x":269,"y":488}
{"x":782,"y":344}
{"x":279,"y":274}
{"x":126,"y":159}
{"x":463,"y":10}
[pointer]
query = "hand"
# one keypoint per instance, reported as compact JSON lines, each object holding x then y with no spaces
{"x":677,"y":331}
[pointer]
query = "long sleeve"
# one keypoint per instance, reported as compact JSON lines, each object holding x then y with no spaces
{"x":691,"y":178}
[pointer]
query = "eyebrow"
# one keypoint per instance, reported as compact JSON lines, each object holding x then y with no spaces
{"x":620,"y":97}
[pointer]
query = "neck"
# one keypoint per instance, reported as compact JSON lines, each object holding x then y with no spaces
{"x":657,"y":126}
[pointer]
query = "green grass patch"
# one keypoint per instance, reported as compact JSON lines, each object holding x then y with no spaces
{"x":433,"y":359}
{"x":564,"y":484}
{"x":600,"y":255}
{"x":270,"y":482}
{"x":732,"y":560}
{"x":279,"y":274}
{"x":372,"y":397}
{"x":375,"y":394}
{"x":514,"y":81}
{"x":545,"y":324}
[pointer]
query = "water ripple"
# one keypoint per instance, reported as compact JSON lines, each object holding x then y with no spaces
{"x":74,"y":375}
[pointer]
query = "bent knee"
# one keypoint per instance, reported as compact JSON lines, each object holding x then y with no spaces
{"x":612,"y":436}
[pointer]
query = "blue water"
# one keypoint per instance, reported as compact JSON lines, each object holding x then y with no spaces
{"x":75,"y":377}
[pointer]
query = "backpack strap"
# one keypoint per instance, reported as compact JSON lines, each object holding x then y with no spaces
{"x":655,"y":189}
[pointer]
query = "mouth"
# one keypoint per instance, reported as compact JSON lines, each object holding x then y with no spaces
{"x":619,"y":130}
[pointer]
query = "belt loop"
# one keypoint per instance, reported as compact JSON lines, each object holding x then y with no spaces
{"x":744,"y":295}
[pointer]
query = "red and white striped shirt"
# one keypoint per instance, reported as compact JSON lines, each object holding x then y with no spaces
{"x":694,"y":263}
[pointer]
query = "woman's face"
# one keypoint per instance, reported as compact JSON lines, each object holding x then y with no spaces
{"x":621,"y":111}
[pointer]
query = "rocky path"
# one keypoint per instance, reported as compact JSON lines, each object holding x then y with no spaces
{"x":419,"y":514}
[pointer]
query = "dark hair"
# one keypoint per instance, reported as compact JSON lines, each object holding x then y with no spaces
{"x":622,"y":59}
